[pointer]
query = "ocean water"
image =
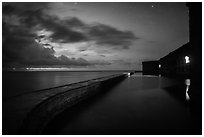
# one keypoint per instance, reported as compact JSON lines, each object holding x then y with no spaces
{"x":136,"y":105}
{"x":16,"y":83}
{"x":139,"y":104}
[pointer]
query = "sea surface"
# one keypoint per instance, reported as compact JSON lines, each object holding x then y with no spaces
{"x":16,"y":83}
{"x":137,"y":105}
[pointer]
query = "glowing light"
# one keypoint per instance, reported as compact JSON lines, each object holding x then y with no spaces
{"x":159,"y":65}
{"x":128,"y":74}
{"x":187,"y":82}
{"x":47,"y":69}
{"x":152,"y":6}
{"x":187,"y":59}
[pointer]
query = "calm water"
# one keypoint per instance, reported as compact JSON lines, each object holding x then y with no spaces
{"x":136,"y":105}
{"x":15,"y":83}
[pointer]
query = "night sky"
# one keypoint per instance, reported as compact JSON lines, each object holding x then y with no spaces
{"x":91,"y":36}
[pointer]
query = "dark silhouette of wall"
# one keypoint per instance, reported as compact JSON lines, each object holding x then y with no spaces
{"x":150,"y":67}
{"x":175,"y":62}
{"x":195,"y":90}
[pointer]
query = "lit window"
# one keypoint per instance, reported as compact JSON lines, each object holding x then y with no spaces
{"x":187,"y":59}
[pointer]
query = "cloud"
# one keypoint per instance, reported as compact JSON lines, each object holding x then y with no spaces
{"x":23,"y":45}
{"x":67,"y":30}
{"x":75,"y":9}
{"x":100,"y":62}
{"x":102,"y":55}
{"x":123,"y":62}
{"x":83,"y":48}
{"x":62,"y":30}
{"x":24,"y":51}
{"x":65,"y":35}
{"x":107,"y":35}
{"x":20,"y":47}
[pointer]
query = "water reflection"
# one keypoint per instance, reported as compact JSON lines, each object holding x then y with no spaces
{"x":138,"y":105}
{"x":187,"y":82}
{"x":17,"y":83}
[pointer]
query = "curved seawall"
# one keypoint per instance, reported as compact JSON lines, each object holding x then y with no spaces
{"x":31,"y":112}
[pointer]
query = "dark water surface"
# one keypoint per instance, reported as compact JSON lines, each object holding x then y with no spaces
{"x":16,"y":83}
{"x":136,"y":105}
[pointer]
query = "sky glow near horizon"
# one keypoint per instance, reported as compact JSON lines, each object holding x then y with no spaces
{"x":91,"y":36}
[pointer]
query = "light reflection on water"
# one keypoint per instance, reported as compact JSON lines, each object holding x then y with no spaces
{"x":137,"y":105}
{"x":187,"y":82}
